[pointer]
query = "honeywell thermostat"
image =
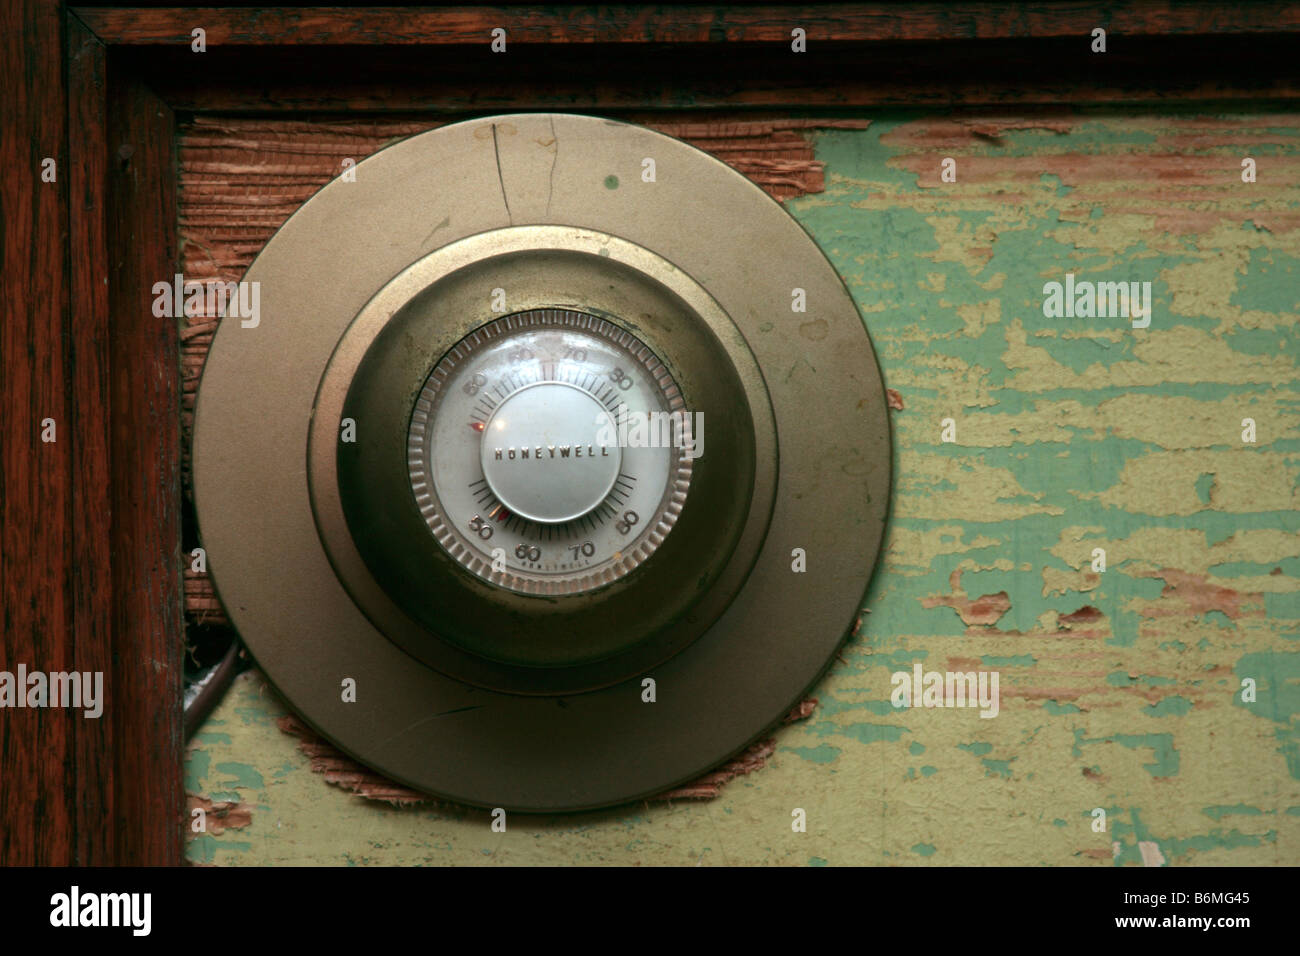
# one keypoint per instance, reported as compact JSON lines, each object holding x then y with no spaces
{"x":575,"y":477}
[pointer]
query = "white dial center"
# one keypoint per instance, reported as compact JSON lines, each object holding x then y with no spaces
{"x":515,"y":459}
{"x":549,"y":452}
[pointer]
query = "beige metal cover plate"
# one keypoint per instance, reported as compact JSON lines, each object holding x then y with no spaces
{"x":762,"y":632}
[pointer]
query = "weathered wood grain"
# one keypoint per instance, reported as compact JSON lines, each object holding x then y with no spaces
{"x":147,"y":618}
{"x":40,"y":802}
{"x":91,"y":374}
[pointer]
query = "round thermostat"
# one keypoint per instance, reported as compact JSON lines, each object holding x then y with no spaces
{"x":538,"y":458}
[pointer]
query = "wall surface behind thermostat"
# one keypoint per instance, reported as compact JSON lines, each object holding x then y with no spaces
{"x":1119,"y":690}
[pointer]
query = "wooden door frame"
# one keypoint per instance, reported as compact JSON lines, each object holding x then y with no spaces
{"x":90,"y":558}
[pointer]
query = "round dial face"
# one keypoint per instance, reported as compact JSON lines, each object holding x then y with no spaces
{"x":550,"y":452}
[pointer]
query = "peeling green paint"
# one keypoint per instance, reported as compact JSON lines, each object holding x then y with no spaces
{"x":1218,"y":813}
{"x":244,"y":775}
{"x":1170,"y":707}
{"x":1052,"y":707}
{"x":1127,"y":836}
{"x":1277,"y":676}
{"x":1165,"y":757}
{"x":1204,"y":485}
{"x":1001,"y":768}
{"x":822,"y":753}
{"x":1019,"y":660}
{"x":867,"y":733}
{"x":197,"y":764}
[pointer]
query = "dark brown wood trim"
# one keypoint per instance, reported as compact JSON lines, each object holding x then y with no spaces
{"x":89,"y":523}
{"x":839,"y":94}
{"x":144,"y":358}
{"x":641,"y":24}
{"x":611,"y":78}
{"x":89,"y":404}
{"x":42,"y":803}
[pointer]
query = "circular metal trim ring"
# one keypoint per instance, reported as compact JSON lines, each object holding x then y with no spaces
{"x":495,"y":749}
{"x":630,"y":281}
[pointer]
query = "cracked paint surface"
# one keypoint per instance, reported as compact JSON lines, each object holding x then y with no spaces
{"x":1121,"y":689}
